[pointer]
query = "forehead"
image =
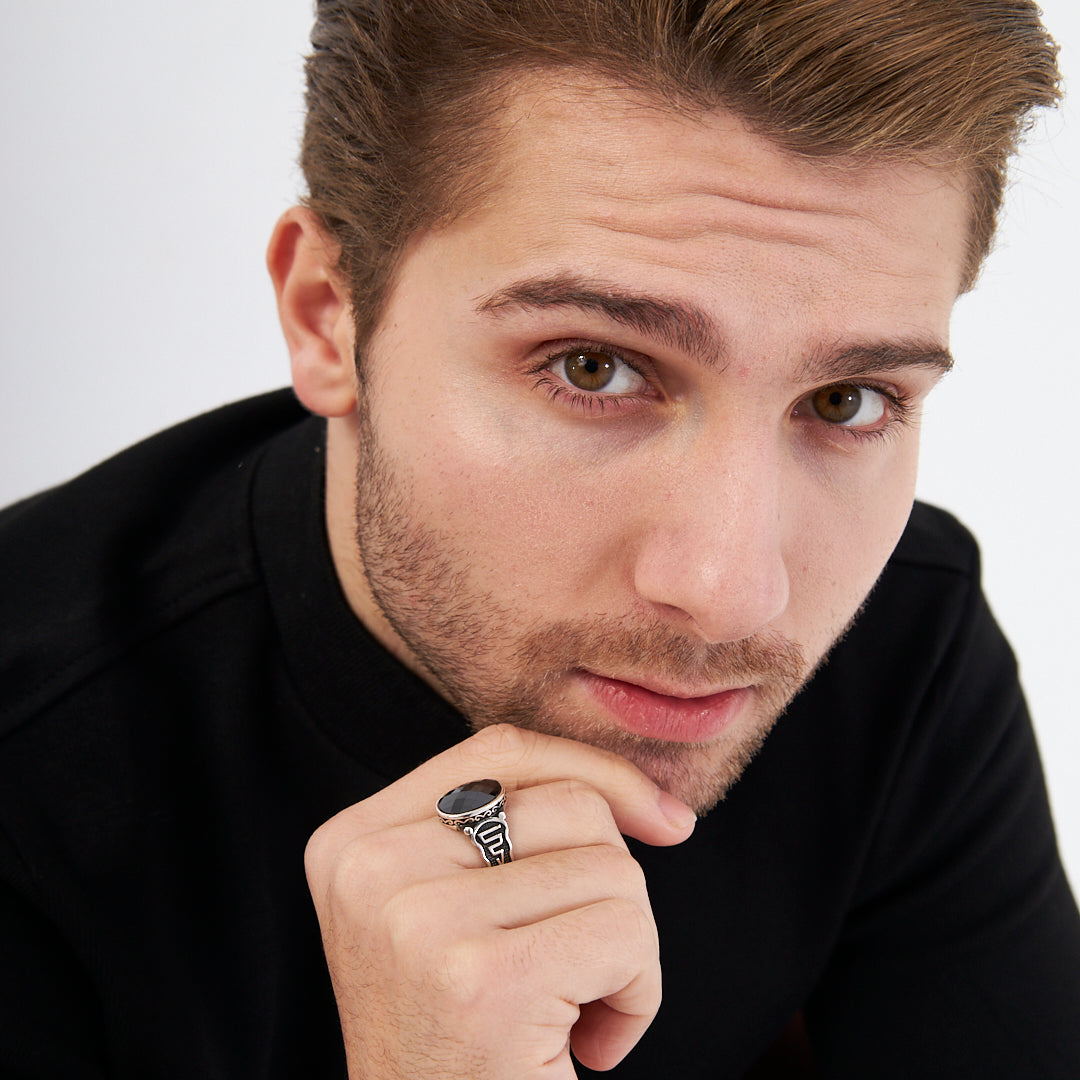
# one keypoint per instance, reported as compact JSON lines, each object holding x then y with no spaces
{"x":785,"y":257}
{"x":584,"y":164}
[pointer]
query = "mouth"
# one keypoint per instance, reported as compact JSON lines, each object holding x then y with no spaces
{"x":665,"y":715}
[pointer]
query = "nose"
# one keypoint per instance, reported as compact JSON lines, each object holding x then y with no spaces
{"x":712,"y":548}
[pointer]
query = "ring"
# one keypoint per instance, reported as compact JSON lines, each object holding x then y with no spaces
{"x":478,"y":810}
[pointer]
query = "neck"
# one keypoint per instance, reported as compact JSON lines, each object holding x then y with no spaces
{"x":341,"y":465}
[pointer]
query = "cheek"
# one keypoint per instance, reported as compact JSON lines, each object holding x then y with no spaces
{"x":846,"y":534}
{"x":532,"y":514}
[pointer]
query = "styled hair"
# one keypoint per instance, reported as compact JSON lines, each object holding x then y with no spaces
{"x":404,"y":96}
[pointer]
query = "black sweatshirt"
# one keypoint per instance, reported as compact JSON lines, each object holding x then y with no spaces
{"x":186,"y":696}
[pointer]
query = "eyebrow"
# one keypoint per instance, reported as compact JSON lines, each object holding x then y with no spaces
{"x":690,"y":329}
{"x":672,"y":322}
{"x":880,"y":358}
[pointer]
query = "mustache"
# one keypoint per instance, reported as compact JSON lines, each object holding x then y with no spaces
{"x":621,"y":647}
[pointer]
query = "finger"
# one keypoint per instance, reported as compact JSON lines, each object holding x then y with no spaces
{"x":423,"y":868}
{"x":523,"y":893}
{"x":603,"y":1036}
{"x":550,"y":817}
{"x":522,"y":759}
{"x":541,"y":976}
{"x":546,"y":817}
{"x":605,"y":952}
{"x":565,"y":814}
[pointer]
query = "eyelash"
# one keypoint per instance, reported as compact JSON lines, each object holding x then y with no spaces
{"x":594,"y":402}
{"x":899,"y":407}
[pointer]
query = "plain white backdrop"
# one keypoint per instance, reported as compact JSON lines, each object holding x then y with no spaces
{"x":148,"y":149}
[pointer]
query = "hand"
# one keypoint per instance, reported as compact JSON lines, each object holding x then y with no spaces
{"x":444,"y":968}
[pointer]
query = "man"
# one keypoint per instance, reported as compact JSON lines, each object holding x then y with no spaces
{"x":619,"y":318}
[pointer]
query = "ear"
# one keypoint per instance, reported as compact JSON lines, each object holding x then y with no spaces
{"x":315,"y":314}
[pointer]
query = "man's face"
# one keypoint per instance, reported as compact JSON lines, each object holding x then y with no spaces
{"x":636,"y":438}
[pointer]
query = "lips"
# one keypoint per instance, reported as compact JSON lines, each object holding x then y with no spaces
{"x":667,"y":717}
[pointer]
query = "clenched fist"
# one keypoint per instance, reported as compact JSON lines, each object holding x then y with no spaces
{"x":445,"y":968}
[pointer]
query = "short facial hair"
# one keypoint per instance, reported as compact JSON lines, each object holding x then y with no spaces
{"x":473,"y":650}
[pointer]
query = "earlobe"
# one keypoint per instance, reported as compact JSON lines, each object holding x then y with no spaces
{"x":315,"y":314}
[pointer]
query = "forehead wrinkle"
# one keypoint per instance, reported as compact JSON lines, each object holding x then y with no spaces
{"x":691,"y":216}
{"x":684,"y":230}
{"x":673,"y":322}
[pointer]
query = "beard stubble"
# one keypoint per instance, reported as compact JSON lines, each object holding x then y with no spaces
{"x":479,"y":656}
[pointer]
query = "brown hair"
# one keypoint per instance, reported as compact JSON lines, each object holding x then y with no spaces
{"x":403,"y":94}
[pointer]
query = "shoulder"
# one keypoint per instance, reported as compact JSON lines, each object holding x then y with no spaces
{"x":134,"y":543}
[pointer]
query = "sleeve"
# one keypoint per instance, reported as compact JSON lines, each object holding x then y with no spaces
{"x":49,"y":1022}
{"x":960,"y":955}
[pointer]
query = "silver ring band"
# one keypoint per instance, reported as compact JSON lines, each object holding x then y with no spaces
{"x":478,"y":810}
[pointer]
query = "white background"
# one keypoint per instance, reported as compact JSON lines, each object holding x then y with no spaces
{"x":148,"y":148}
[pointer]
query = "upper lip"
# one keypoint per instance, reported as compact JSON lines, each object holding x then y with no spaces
{"x":666,"y":691}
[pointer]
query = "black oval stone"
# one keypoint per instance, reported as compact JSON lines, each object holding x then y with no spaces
{"x":469,"y":798}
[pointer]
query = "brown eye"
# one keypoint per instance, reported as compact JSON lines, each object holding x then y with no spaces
{"x":589,"y":370}
{"x":846,"y":405}
{"x":838,"y":404}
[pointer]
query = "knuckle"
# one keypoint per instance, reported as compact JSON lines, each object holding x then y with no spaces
{"x":587,"y":805}
{"x":621,"y":872}
{"x":317,"y":855}
{"x":629,"y":872}
{"x":466,"y":976}
{"x":372,"y":862}
{"x":403,"y":919}
{"x":634,"y":925}
{"x":360,"y":873}
{"x":335,"y":836}
{"x":415,"y":942}
{"x":460,"y":971}
{"x":504,"y":746}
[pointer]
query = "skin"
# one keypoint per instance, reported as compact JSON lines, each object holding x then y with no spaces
{"x":540,"y":552}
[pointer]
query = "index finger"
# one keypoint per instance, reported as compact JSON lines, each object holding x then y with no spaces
{"x":518,"y":759}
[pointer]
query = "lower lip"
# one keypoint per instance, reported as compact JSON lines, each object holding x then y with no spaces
{"x":659,"y":716}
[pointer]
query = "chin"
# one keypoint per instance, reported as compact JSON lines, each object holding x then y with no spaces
{"x":699,"y":774}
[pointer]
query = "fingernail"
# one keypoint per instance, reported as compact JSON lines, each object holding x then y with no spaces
{"x":678,"y":813}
